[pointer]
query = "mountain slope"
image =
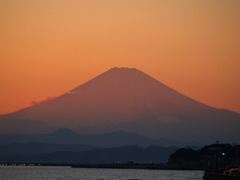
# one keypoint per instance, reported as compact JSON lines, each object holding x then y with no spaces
{"x":127,"y":99}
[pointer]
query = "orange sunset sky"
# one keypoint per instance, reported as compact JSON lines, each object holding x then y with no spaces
{"x":48,"y":47}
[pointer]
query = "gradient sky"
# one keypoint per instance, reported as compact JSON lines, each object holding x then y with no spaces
{"x":48,"y":47}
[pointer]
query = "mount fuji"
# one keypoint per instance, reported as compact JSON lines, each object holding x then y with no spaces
{"x":126,"y":99}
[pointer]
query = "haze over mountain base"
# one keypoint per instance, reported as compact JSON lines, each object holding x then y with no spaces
{"x":130,"y":100}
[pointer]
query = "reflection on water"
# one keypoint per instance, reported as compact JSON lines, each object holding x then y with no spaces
{"x":67,"y":173}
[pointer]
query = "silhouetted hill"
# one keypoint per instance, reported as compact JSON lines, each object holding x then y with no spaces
{"x":64,"y":132}
{"x":108,"y":155}
{"x":225,"y":155}
{"x":39,"y":148}
{"x":129,"y":100}
{"x":114,"y":139}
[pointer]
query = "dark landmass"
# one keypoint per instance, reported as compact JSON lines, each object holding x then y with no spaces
{"x":213,"y":157}
{"x":114,"y":139}
{"x":40,"y":148}
{"x":152,"y":154}
{"x":128,"y":165}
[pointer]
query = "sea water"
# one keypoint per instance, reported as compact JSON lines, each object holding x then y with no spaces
{"x":68,"y":173}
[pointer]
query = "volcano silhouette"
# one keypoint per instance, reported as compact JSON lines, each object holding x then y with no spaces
{"x":127,"y":99}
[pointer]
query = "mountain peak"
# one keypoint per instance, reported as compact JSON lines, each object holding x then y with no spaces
{"x":119,"y":79}
{"x":123,"y":69}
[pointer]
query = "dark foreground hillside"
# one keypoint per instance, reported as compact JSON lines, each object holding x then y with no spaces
{"x":213,"y":157}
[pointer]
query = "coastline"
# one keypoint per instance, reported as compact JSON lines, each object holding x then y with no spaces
{"x":103,"y":166}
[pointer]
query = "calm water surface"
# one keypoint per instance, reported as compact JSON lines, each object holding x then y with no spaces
{"x":67,"y":173}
